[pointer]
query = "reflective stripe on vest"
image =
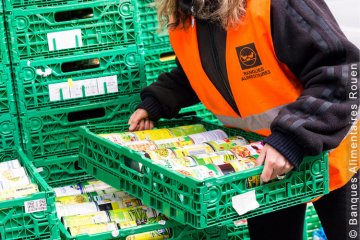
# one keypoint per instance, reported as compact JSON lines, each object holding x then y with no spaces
{"x":254,"y":122}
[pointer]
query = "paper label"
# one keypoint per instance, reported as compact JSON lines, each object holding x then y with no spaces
{"x":40,"y":169}
{"x":35,"y":206}
{"x":111,"y":84}
{"x":64,"y":39}
{"x":92,"y":87}
{"x":245,"y":202}
{"x":54,"y":91}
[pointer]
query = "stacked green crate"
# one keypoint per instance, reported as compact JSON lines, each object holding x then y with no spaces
{"x":312,"y":221}
{"x":72,"y":63}
{"x":16,"y":221}
{"x":9,"y":130}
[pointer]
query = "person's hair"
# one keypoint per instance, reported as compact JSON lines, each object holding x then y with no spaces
{"x":226,"y":12}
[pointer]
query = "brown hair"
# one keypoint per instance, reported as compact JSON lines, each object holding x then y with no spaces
{"x":211,"y":10}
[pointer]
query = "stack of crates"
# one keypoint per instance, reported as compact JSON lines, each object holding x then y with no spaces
{"x":73,"y":63}
{"x":9,"y":130}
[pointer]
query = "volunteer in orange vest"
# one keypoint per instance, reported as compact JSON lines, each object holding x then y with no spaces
{"x":281,"y":68}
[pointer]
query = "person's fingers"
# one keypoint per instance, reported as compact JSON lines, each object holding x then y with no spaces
{"x":136,"y":128}
{"x":268,"y":170}
{"x":131,"y":117}
{"x":141,"y":124}
{"x":133,"y":121}
{"x":147,"y":124}
{"x":136,"y":117}
{"x":151,"y":125}
{"x":260,"y":160}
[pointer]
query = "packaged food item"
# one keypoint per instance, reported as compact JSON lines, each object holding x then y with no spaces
{"x":239,"y":140}
{"x":201,"y":172}
{"x":141,"y":145}
{"x":187,"y":130}
{"x":141,"y":222}
{"x":9,"y":165}
{"x":132,"y":214}
{"x":255,"y":148}
{"x":98,"y":187}
{"x":188,"y":161}
{"x":226,"y":168}
{"x":193,"y":150}
{"x":245,"y":164}
{"x":85,"y":219}
{"x":113,"y":196}
{"x":208,"y":136}
{"x":76,"y":189}
{"x":160,"y":234}
{"x":222,"y":145}
{"x":153,"y":135}
{"x":14,"y":182}
{"x":124,"y":202}
{"x":159,"y":154}
{"x":120,"y":137}
{"x":173,"y":142}
{"x":76,"y":209}
{"x":17,"y":192}
{"x":73,"y":199}
{"x":215,"y":157}
{"x":92,"y":228}
{"x":12,"y":173}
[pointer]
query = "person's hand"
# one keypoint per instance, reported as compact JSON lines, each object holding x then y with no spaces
{"x":139,"y":121}
{"x":275,"y":163}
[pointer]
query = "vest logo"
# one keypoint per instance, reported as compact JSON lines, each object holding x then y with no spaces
{"x":248,"y":56}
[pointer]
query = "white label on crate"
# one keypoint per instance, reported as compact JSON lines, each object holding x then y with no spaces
{"x":92,"y":87}
{"x":54,"y":91}
{"x":111,"y":84}
{"x":64,"y":39}
{"x":245,"y":202}
{"x":162,"y":222}
{"x":35,"y":206}
{"x":40,"y":169}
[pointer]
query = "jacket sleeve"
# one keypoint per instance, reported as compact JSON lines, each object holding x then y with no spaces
{"x":309,"y":41}
{"x":165,"y":97}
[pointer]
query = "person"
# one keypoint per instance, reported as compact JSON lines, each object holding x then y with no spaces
{"x":280,"y":68}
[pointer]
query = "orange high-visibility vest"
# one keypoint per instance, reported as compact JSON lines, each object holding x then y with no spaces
{"x":260,"y":83}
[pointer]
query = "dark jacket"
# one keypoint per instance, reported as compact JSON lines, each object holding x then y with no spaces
{"x":309,"y":41}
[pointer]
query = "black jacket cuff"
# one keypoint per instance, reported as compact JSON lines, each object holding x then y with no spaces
{"x":287,"y":144}
{"x":153,"y":108}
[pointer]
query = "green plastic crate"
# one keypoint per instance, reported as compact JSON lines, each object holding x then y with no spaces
{"x":312,"y":221}
{"x":113,"y":23}
{"x":49,"y":132}
{"x":4,"y":53}
{"x":180,"y":232}
{"x":240,"y":232}
{"x":7,"y":98}
{"x":15,"y":223}
{"x":32,"y":88}
{"x":61,"y":169}
{"x":9,"y":131}
{"x":149,"y":25}
{"x":200,"y":204}
{"x":154,"y":64}
{"x":200,"y":111}
{"x":9,"y":5}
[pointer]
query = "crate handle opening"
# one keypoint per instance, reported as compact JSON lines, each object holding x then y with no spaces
{"x":80,"y":65}
{"x":164,"y":57}
{"x":86,"y":114}
{"x":78,"y":14}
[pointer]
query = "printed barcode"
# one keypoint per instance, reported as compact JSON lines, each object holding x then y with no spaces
{"x":35,"y":206}
{"x":197,"y":151}
{"x":220,"y":153}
